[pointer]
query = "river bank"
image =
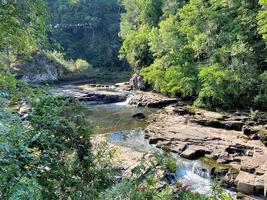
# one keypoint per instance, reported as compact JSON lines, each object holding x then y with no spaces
{"x":234,"y":141}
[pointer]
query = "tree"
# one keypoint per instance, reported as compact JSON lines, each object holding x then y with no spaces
{"x":262,"y":19}
{"x":22,"y":25}
{"x":191,"y":40}
{"x":87,"y":29}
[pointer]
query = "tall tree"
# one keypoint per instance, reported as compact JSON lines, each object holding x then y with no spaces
{"x":211,"y":51}
{"x":22,"y":24}
{"x":87,"y":29}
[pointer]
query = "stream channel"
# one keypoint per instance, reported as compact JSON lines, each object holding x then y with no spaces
{"x":116,"y":121}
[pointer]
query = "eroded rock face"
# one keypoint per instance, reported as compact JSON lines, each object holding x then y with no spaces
{"x":182,"y":131}
{"x":152,"y":100}
{"x":39,"y":69}
{"x":138,"y":83}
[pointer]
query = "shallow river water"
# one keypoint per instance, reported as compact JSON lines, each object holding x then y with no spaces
{"x":117,"y":121}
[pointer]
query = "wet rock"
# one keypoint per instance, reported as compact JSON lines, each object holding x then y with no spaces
{"x":249,"y":130}
{"x":194,"y":153}
{"x":263,"y":136}
{"x":181,"y":110}
{"x":139,"y":116}
{"x":209,"y":123}
{"x":170,"y":178}
{"x":229,"y":179}
{"x":234,"y":125}
{"x":225,"y":158}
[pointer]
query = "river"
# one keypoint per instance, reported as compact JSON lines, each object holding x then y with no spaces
{"x":116,"y":120}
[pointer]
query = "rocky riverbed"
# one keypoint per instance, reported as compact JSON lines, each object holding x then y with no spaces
{"x":222,"y":137}
{"x":94,"y":94}
{"x":235,"y":143}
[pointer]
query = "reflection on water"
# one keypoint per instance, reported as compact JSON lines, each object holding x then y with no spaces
{"x":124,"y":130}
{"x":134,"y":139}
{"x":110,"y":118}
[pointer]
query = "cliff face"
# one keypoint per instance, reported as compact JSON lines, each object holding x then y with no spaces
{"x":39,"y":69}
{"x":49,"y":73}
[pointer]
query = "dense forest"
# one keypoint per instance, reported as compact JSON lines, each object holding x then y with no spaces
{"x":210,"y":52}
{"x":87,"y":29}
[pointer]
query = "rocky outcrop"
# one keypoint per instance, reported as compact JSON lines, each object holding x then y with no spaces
{"x":218,"y":136}
{"x":92,"y":95}
{"x":138,"y":83}
{"x":251,"y":184}
{"x":152,"y":100}
{"x":38,"y":69}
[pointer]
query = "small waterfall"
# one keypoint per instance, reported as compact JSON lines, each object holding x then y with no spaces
{"x":129,"y":98}
{"x":189,"y":173}
{"x":194,"y":175}
{"x":200,"y":171}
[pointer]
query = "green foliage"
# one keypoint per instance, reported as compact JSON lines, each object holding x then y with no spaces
{"x":87,"y":29}
{"x":136,"y":50}
{"x":22,"y":25}
{"x":78,"y":66}
{"x":261,"y":98}
{"x":212,"y":51}
{"x":139,"y":12}
{"x":50,"y":154}
{"x":12,"y":89}
{"x":214,"y":82}
{"x":262,"y":19}
{"x":82,"y":65}
{"x":14,"y":156}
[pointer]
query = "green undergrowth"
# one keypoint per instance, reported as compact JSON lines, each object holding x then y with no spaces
{"x":48,"y":154}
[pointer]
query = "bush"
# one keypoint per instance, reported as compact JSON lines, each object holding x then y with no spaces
{"x":261,"y":99}
{"x":52,"y":157}
{"x":213,"y":92}
{"x":78,"y":66}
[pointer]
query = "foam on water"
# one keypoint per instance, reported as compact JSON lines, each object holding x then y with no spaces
{"x":125,"y":103}
{"x":194,"y":175}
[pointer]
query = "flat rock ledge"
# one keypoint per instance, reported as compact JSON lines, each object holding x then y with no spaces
{"x":91,"y":95}
{"x":151,"y":100}
{"x":220,"y":137}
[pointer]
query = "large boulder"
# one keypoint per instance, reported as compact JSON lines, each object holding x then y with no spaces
{"x":151,"y":100}
{"x":251,"y":184}
{"x":138,"y":83}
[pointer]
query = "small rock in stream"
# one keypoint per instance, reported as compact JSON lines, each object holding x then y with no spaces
{"x":139,"y":116}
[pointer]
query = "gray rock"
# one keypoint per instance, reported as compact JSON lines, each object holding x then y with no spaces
{"x":138,"y":83}
{"x":152,"y":100}
{"x":170,"y":130}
